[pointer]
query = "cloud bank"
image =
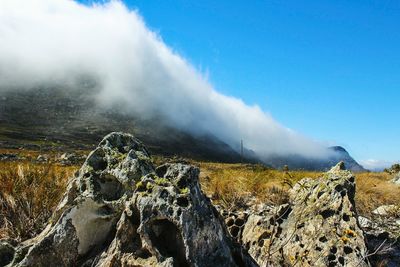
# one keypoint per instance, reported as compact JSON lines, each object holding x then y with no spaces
{"x":376,"y":165}
{"x":44,"y":41}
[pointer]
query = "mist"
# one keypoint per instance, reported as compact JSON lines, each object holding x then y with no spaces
{"x":376,"y":165}
{"x":60,"y":41}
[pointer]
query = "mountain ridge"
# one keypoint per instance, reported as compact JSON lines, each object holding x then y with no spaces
{"x":55,"y":117}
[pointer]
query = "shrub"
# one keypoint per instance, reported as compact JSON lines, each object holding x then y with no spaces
{"x":29,"y":193}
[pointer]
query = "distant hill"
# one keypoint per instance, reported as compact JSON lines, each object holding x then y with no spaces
{"x":59,"y":119}
{"x":299,"y":162}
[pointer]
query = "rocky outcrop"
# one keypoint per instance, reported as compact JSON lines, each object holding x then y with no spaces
{"x":121,"y":211}
{"x":396,"y":179}
{"x":394,"y":169}
{"x":382,"y":235}
{"x":318,"y":227}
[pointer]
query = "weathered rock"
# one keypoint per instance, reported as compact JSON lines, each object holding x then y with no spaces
{"x":120,"y":211}
{"x":235,"y":222}
{"x":318,"y":228}
{"x":7,"y":252}
{"x":173,"y":224}
{"x":395,"y":168}
{"x":396,"y":179}
{"x":9,"y":157}
{"x":70,"y":159}
{"x":387,"y":211}
{"x":43,"y":158}
{"x":382,"y":234}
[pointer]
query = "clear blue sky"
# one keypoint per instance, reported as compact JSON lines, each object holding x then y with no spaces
{"x":327,"y":69}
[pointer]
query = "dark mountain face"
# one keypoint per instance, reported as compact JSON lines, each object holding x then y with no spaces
{"x":49,"y":118}
{"x":299,"y":162}
{"x":344,"y":156}
{"x":59,"y":118}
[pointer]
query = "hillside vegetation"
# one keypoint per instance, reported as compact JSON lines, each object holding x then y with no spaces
{"x":29,"y":191}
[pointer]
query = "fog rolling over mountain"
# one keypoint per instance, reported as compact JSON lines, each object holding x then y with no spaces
{"x":63,"y":45}
{"x":55,"y":118}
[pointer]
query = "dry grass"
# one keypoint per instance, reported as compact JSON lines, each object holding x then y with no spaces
{"x":29,"y":193}
{"x":374,"y":190}
{"x":233,"y":185}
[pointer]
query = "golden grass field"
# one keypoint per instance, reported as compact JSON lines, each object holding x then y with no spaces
{"x":30,"y":191}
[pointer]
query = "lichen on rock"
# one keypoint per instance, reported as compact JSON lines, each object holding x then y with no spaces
{"x":318,"y":227}
{"x":121,"y":211}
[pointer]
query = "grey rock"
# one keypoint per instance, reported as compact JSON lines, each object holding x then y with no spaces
{"x":121,"y":211}
{"x":9,"y":157}
{"x":396,"y":179}
{"x":318,"y":227}
{"x":7,"y":252}
{"x":387,"y":211}
{"x":70,"y":159}
{"x":382,"y":238}
{"x":43,"y":158}
{"x":173,"y":224}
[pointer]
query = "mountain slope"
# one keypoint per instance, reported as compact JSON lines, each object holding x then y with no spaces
{"x":299,"y":162}
{"x":53,"y":118}
{"x":62,"y":118}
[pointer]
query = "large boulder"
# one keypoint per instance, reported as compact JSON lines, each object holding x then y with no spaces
{"x":318,"y":227}
{"x":121,"y":211}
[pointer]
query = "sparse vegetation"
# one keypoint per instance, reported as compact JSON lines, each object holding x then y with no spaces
{"x":233,"y":185}
{"x":374,"y":190}
{"x":30,"y":191}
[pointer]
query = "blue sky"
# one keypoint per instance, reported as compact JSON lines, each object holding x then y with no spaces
{"x":327,"y":69}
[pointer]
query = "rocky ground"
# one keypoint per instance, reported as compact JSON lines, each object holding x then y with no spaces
{"x":121,"y":210}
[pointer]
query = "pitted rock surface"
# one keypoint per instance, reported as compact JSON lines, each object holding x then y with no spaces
{"x":121,"y":211}
{"x":235,"y":222}
{"x":318,"y":227}
{"x":382,"y":236}
{"x":172,"y":222}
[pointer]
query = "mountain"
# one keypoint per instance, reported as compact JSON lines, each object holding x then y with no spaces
{"x":343,"y":155}
{"x":300,"y":162}
{"x":60,"y":118}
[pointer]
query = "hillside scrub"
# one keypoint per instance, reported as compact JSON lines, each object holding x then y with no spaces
{"x":29,"y":191}
{"x":231,"y":185}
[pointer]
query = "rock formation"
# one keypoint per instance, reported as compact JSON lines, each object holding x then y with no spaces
{"x":396,"y":179}
{"x":317,"y":228}
{"x":121,"y":211}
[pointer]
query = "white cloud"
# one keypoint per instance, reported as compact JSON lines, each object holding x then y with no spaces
{"x":58,"y":40}
{"x":376,"y":165}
